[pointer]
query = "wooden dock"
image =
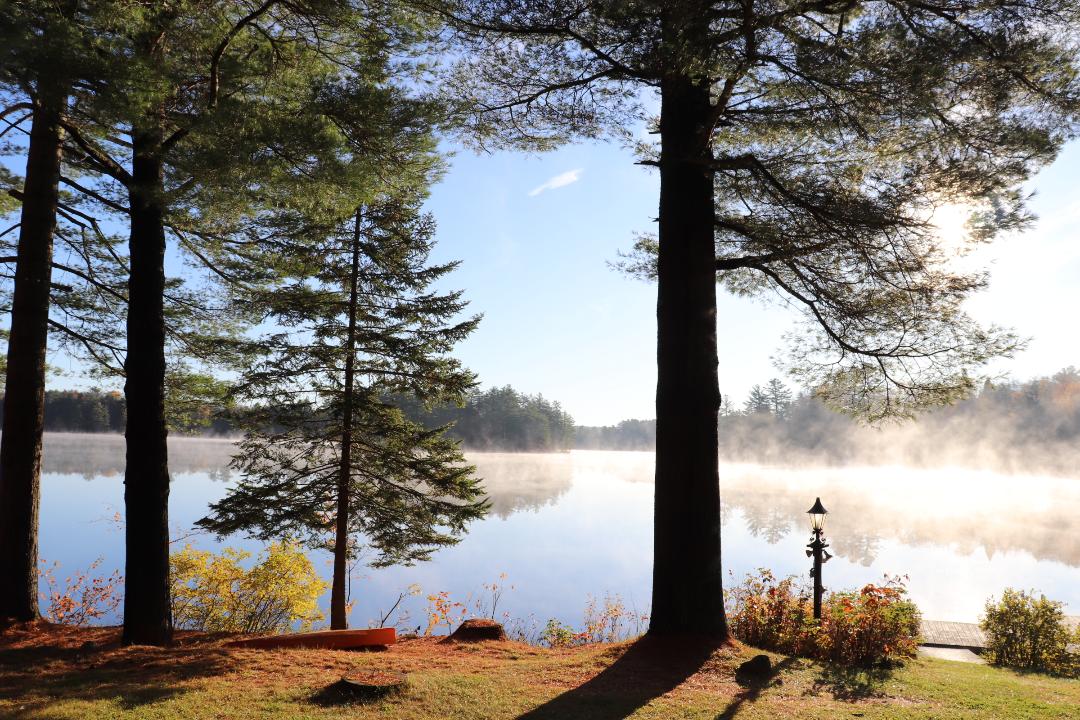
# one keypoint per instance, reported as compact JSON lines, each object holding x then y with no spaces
{"x":938,"y":633}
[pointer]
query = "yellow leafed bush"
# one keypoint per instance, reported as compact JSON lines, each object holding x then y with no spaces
{"x":214,"y":593}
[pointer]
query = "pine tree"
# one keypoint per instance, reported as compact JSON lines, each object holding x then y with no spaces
{"x":802,"y":148}
{"x":204,"y":122}
{"x":326,"y":456}
{"x":758,"y":401}
{"x":40,"y":44}
{"x":778,"y":398}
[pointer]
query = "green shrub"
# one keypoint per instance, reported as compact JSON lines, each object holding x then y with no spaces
{"x":214,"y":593}
{"x":559,"y":635}
{"x":873,"y":625}
{"x":1029,"y":633}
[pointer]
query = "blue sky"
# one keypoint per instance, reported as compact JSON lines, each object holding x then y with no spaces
{"x":536,"y":236}
{"x":559,"y":321}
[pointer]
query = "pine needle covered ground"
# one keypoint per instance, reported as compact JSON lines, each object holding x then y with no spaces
{"x":62,"y":672}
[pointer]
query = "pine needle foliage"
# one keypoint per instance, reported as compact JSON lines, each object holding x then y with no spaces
{"x":836,"y":134}
{"x":803,"y":147}
{"x":326,"y":457}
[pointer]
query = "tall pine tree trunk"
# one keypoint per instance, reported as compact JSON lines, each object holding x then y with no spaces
{"x":147,"y":610}
{"x":338,"y":612}
{"x":687,"y":583}
{"x":24,"y":392}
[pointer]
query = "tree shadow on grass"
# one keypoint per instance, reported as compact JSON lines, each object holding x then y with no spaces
{"x":852,"y":684}
{"x":34,"y":676}
{"x":649,"y":668}
{"x":753,"y":688}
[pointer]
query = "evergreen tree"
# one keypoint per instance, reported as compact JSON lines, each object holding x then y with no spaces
{"x":778,"y":398}
{"x":802,"y":148}
{"x":204,"y":111}
{"x":40,"y":44}
{"x":326,"y":456}
{"x":95,"y":418}
{"x":758,"y":401}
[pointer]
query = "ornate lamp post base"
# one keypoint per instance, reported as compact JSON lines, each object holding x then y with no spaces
{"x":816,"y":549}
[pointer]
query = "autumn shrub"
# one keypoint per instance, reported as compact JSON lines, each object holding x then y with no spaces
{"x":215,"y":593}
{"x":609,"y":620}
{"x":487,"y":605}
{"x":402,"y":619}
{"x":873,"y":625}
{"x":82,"y":597}
{"x":524,"y":629}
{"x":444,"y":612}
{"x":876,"y":624}
{"x":1029,"y":633}
{"x":606,"y":620}
{"x":772,"y":614}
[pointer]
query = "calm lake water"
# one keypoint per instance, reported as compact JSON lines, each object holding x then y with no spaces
{"x":566,"y":526}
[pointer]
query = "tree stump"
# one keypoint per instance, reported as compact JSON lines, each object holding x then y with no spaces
{"x":478,"y":630}
{"x":362,"y":686}
{"x":754,"y":671}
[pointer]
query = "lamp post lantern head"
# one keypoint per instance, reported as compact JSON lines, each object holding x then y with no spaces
{"x":817,"y":516}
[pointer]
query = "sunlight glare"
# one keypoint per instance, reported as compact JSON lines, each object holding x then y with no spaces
{"x":951,"y":220}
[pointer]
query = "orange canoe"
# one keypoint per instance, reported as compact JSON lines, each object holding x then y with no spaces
{"x":324,"y":639}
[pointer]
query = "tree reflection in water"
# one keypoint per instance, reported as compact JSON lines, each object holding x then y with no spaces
{"x":962,"y":509}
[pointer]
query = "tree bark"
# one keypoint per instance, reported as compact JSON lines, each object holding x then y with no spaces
{"x":24,"y":392}
{"x":147,"y":609}
{"x":338,"y":612}
{"x":687,"y":582}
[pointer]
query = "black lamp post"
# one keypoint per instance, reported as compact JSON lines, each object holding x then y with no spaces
{"x":817,"y":551}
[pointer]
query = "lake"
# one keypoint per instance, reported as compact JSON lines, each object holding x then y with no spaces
{"x":566,"y":526}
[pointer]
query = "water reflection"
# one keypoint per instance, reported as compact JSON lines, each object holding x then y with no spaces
{"x":966,"y":510}
{"x":963,"y":509}
{"x":564,"y":525}
{"x":518,"y":481}
{"x":98,"y":455}
{"x":514,"y":481}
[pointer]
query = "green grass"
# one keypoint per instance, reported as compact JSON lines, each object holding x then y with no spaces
{"x":56,"y":677}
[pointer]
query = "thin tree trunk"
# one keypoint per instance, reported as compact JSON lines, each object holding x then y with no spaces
{"x":24,"y":392}
{"x":147,"y":610}
{"x":338,"y":615}
{"x":688,"y":593}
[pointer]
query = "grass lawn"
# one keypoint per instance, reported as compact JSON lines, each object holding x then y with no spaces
{"x":60,"y":672}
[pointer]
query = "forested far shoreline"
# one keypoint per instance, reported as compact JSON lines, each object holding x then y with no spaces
{"x":1013,"y":425}
{"x":497,"y":419}
{"x":1030,"y":426}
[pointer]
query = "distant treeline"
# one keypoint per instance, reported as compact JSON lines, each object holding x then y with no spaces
{"x":100,"y":411}
{"x":627,"y":435}
{"x":501,"y":419}
{"x":90,"y":411}
{"x":495,"y":419}
{"x":1029,"y":426}
{"x":1011,"y":425}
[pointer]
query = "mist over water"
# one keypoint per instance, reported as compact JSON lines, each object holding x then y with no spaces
{"x":567,"y":525}
{"x":94,"y":455}
{"x":1013,"y":427}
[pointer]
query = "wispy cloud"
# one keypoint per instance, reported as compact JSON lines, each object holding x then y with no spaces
{"x":566,"y":178}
